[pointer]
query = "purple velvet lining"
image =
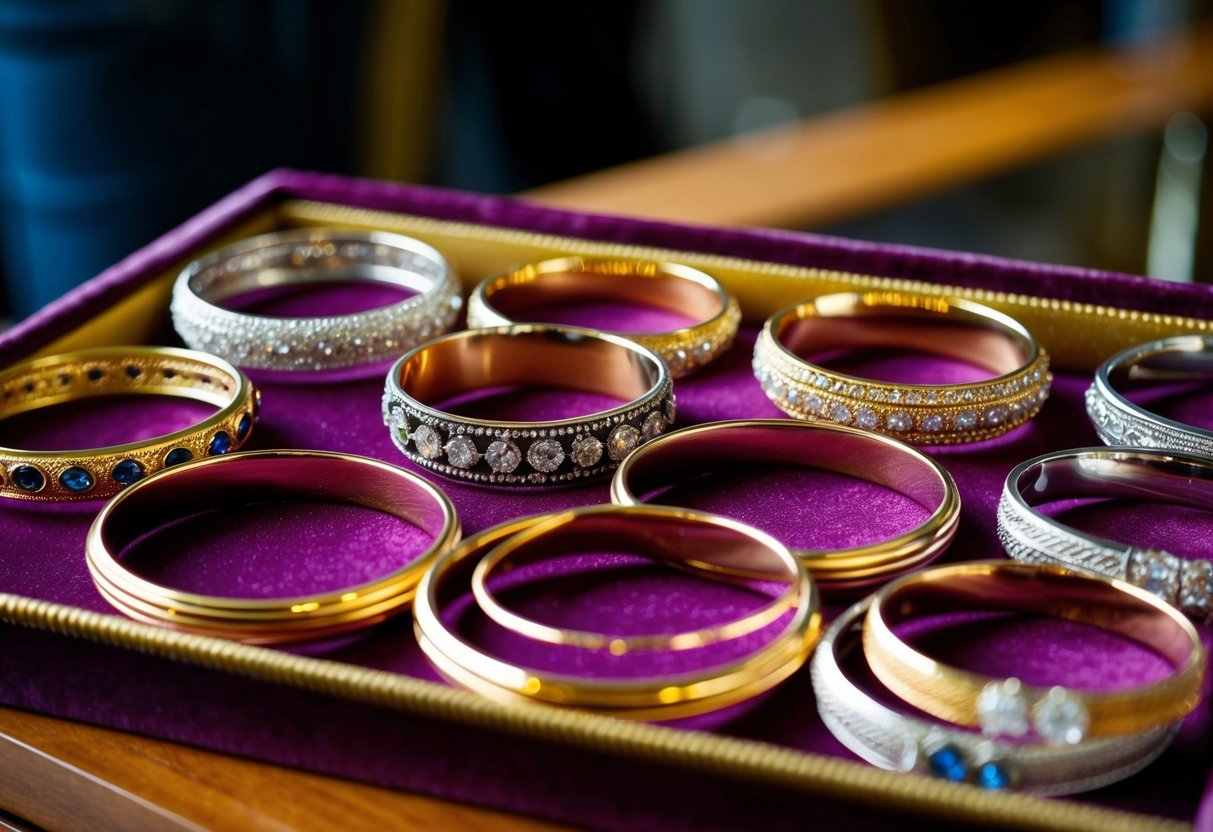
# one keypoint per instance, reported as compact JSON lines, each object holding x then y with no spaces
{"x":44,"y":544}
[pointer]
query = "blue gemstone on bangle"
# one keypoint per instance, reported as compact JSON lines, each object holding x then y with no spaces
{"x":127,"y":472}
{"x":95,"y":374}
{"x":221,"y":443}
{"x":177,"y":456}
{"x":76,"y":479}
{"x":992,"y":775}
{"x":242,"y":429}
{"x":948,"y":763}
{"x":28,"y":478}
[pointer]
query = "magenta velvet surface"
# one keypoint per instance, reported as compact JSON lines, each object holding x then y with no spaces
{"x":284,"y":549}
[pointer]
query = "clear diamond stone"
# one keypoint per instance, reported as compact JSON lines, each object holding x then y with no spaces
{"x":899,"y":422}
{"x":793,"y":396}
{"x":1015,"y":410}
{"x":503,"y":456}
{"x":840,"y":413}
{"x":913,"y":397}
{"x":1196,"y":593}
{"x":1002,"y":709}
{"x":622,"y":441}
{"x":822,"y":382}
{"x":654,"y":426}
{"x":856,"y":392}
{"x":865,"y":418}
{"x":1060,"y":718}
{"x":932,"y":423}
{"x":703,"y":351}
{"x":677,"y":361}
{"x":950,"y":397}
{"x":839,"y":386}
{"x":1155,"y":571}
{"x":875,"y":395}
{"x":931,"y":398}
{"x":545,"y":455}
{"x":428,"y":442}
{"x":995,"y":415}
{"x":894,"y":396}
{"x":461,"y":452}
{"x":777,"y":390}
{"x":966,"y":419}
{"x":812,"y":403}
{"x":587,"y":450}
{"x":967,"y":396}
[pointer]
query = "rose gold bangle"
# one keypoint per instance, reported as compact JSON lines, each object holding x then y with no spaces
{"x":866,"y":456}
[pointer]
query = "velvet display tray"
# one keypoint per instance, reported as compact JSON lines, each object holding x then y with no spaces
{"x":372,"y":709}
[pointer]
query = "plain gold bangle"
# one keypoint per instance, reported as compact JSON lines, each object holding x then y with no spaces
{"x":711,"y":547}
{"x":654,"y":698}
{"x":1007,"y":707}
{"x":865,"y":456}
{"x":252,"y":477}
{"x":507,"y":298}
{"x":98,"y":473}
{"x":922,"y":414}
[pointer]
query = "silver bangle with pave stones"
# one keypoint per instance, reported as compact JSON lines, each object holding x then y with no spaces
{"x":314,"y":256}
{"x":1033,"y":537}
{"x":914,"y":412}
{"x":898,"y":741}
{"x":1182,"y":359}
{"x":514,"y":453}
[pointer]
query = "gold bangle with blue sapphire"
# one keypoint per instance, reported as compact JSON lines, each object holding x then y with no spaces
{"x":99,"y":473}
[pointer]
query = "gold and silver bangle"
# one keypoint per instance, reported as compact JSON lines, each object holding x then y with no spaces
{"x":922,"y":414}
{"x":315,"y":256}
{"x":1009,"y":707}
{"x":898,"y":741}
{"x":1118,"y":421}
{"x":97,"y":473}
{"x":1032,"y":536}
{"x":514,"y":453}
{"x":669,"y":696}
{"x":250,"y":478}
{"x":512,"y":297}
{"x":717,"y":446}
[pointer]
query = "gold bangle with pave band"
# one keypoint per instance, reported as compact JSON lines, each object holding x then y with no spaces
{"x":1010,"y":707}
{"x":98,"y":473}
{"x":717,"y":446}
{"x":644,"y":698}
{"x":508,"y":298}
{"x":254,"y":477}
{"x":922,"y":414}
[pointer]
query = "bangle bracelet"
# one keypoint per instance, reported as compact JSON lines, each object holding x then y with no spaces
{"x":508,"y":299}
{"x":929,"y":414}
{"x":1008,"y":707}
{"x":702,"y":449}
{"x":720,"y":546}
{"x":249,"y":478}
{"x":1033,"y":537}
{"x":1186,"y":358}
{"x":97,"y":473}
{"x":898,"y":741}
{"x":646,"y":698}
{"x":312,"y":256}
{"x":525,"y":453}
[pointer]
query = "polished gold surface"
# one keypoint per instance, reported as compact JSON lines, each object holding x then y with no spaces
{"x":719,"y":446}
{"x":655,"y":698}
{"x":956,"y":695}
{"x":509,"y":298}
{"x":249,"y":478}
{"x":120,"y":371}
{"x":928,"y":414}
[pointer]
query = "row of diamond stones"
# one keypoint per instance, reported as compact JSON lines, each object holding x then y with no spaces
{"x":698,"y":347}
{"x":590,"y":448}
{"x":1188,"y":584}
{"x":1058,"y":717}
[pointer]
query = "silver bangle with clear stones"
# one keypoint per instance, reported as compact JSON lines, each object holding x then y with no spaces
{"x":1184,"y":358}
{"x":1033,"y":537}
{"x":517,"y":453}
{"x":896,"y":741}
{"x":327,"y":342}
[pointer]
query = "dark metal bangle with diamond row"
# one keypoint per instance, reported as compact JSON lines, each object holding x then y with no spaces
{"x":98,"y":473}
{"x":1031,"y":536}
{"x":1118,"y":421}
{"x":322,"y":343}
{"x":515,"y":453}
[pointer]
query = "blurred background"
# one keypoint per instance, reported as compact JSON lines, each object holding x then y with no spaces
{"x":121,"y":118}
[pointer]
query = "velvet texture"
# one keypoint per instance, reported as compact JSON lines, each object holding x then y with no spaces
{"x":285,"y":549}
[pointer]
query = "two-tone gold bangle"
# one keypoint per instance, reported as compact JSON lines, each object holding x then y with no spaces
{"x":513,"y":453}
{"x":97,"y":473}
{"x":249,"y":478}
{"x":1009,"y":707}
{"x":717,"y":446}
{"x":646,"y":698}
{"x":511,"y":297}
{"x":922,"y":414}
